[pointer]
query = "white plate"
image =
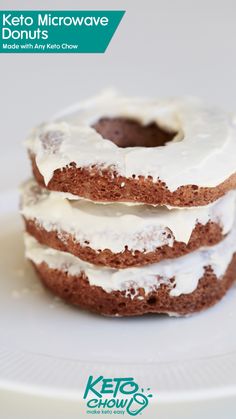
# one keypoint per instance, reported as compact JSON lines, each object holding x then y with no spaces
{"x":50,"y":348}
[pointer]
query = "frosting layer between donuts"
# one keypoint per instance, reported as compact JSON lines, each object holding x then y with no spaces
{"x":193,"y":163}
{"x":119,"y":235}
{"x":184,"y":285}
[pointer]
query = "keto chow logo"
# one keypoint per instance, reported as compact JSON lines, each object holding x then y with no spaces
{"x":115,"y":396}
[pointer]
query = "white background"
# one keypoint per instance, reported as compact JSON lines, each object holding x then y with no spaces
{"x":161,"y":48}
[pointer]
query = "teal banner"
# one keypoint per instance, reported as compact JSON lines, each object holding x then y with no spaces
{"x":57,"y":31}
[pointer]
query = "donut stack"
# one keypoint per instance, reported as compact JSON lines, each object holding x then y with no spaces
{"x":132,"y":206}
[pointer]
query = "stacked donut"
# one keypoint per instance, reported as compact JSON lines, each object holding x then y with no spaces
{"x":132,"y":205}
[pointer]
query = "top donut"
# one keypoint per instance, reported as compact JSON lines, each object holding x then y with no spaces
{"x":176,"y":152}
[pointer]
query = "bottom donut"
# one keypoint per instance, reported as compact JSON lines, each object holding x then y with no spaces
{"x":176,"y":287}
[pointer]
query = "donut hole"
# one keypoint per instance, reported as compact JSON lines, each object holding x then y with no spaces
{"x":130,"y":133}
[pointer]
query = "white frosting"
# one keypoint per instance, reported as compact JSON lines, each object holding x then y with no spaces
{"x":203,"y":152}
{"x":114,"y":226}
{"x":186,"y":270}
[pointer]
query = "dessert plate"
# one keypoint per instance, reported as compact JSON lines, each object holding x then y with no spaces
{"x":50,"y":348}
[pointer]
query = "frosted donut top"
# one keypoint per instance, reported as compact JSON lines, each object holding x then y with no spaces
{"x":114,"y":226}
{"x":202,"y":153}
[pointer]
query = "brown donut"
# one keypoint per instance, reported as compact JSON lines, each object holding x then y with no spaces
{"x":76,"y":290}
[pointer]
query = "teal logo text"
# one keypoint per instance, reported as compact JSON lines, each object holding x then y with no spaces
{"x":115,"y":396}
